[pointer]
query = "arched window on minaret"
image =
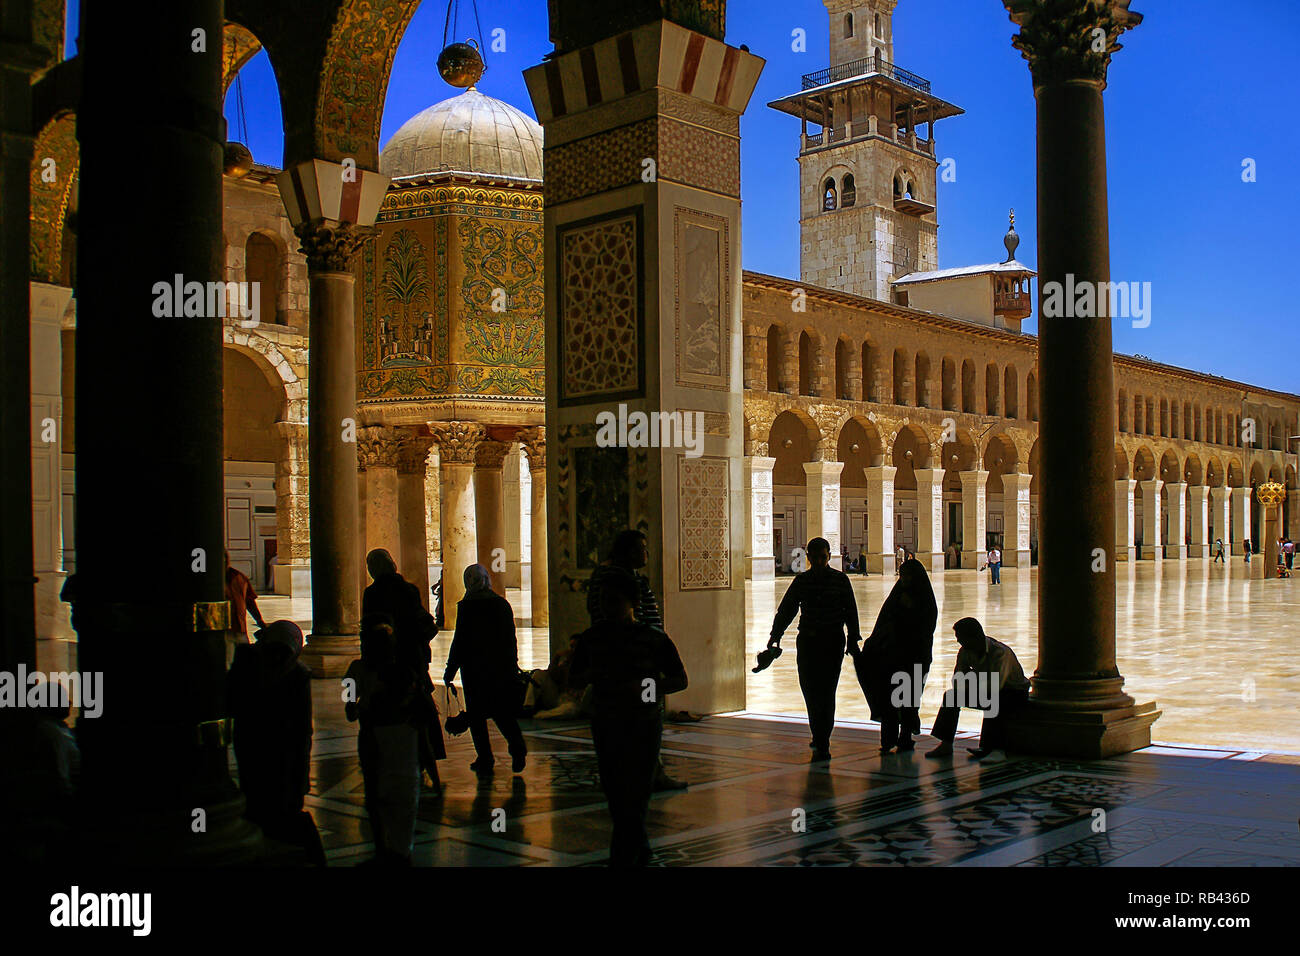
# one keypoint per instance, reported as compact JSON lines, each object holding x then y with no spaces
{"x":848,"y":25}
{"x":829,"y":200}
{"x":848,"y":191}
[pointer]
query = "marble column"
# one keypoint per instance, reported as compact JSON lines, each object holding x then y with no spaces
{"x":929,"y":518}
{"x":1198,"y":519}
{"x":513,"y":509}
{"x":533,"y":439}
{"x":1015,"y":520}
{"x":293,"y":515}
{"x":1222,"y":511}
{"x":880,"y":518}
{"x":457,"y":448}
{"x":823,"y":483}
{"x":1078,"y":707}
{"x":1125,"y":520}
{"x":1152,"y":549}
{"x":1240,"y":523}
{"x":377,"y":447}
{"x":157,"y":753}
{"x":489,"y":510}
{"x":973,"y":518}
{"x":412,"y":532}
{"x":1176,"y":496}
{"x":48,"y":303}
{"x":758,"y":486}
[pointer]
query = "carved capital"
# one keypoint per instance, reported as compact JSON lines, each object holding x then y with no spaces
{"x":378,"y":446}
{"x":329,"y":246}
{"x":457,"y":441}
{"x":491,"y":454}
{"x":1066,"y":40}
{"x":413,"y":454}
{"x":533,"y":438}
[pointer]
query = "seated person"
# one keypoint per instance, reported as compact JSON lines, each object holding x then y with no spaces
{"x":987,"y":677}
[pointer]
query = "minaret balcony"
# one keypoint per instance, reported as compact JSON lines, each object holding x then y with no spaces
{"x":1013,"y":305}
{"x":865,"y":67}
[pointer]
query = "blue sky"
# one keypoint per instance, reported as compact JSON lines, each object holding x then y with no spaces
{"x":1198,"y":87}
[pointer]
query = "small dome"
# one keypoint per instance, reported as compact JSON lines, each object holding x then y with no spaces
{"x":469,"y":133}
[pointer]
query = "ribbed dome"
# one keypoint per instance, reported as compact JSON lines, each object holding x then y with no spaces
{"x":469,"y":133}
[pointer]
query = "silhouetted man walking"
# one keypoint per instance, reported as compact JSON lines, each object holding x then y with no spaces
{"x":824,"y":599}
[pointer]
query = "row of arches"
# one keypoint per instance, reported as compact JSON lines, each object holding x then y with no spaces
{"x":868,"y":373}
{"x":1189,"y":421}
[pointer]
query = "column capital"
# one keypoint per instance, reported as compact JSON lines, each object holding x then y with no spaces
{"x":329,"y":246}
{"x":1070,"y":40}
{"x":1151,"y":485}
{"x":413,"y":454}
{"x":880,"y":473}
{"x":533,"y":438}
{"x":457,"y":441}
{"x":759,"y":463}
{"x":378,"y":446}
{"x":973,"y":476}
{"x":823,"y":469}
{"x":490,"y":454}
{"x":929,"y":476}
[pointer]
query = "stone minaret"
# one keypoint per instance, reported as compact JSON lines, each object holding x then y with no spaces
{"x":867,"y":176}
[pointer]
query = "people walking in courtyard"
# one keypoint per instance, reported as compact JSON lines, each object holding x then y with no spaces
{"x":1245,"y":549}
{"x":630,"y":667}
{"x":828,"y":630}
{"x":268,"y":692}
{"x":383,"y":694}
{"x":895,"y":658}
{"x":1288,"y":549}
{"x":413,"y":629}
{"x":631,"y":552}
{"x":987,"y":677}
{"x":243,"y":601}
{"x":995,"y":565}
{"x":485,"y":652}
{"x":1218,"y":551}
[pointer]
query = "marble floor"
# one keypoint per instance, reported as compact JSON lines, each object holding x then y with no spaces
{"x":1217,"y":651}
{"x":755,"y":800}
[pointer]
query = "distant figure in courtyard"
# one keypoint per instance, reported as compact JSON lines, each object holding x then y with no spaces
{"x":895,"y":658}
{"x":862,"y":559}
{"x":631,"y":667}
{"x":954,"y":556}
{"x":243,"y":601}
{"x":994,"y":560}
{"x":383,"y":693}
{"x":413,"y":630}
{"x":268,"y":690}
{"x":631,"y":552}
{"x":828,"y":611}
{"x":485,"y":652}
{"x":1288,"y":550}
{"x":1245,"y":549}
{"x":987,"y":677}
{"x":900,"y":555}
{"x":1218,"y":551}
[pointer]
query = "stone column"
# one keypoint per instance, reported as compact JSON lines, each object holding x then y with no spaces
{"x":412,"y":465}
{"x":1079,"y":707}
{"x":457,"y":447}
{"x":823,"y":478}
{"x":293,"y":518}
{"x":48,"y":303}
{"x":512,"y":507}
{"x":1222,"y":513}
{"x":378,"y":447}
{"x":758,"y":487}
{"x":880,"y":518}
{"x":1152,"y":549}
{"x":1015,"y":520}
{"x":929,"y":518}
{"x":973,"y":508}
{"x":1240,"y":522}
{"x":157,"y":752}
{"x":644,"y":254}
{"x":1198,"y":518}
{"x":1125,"y":512}
{"x":533,"y":439}
{"x":489,"y":511}
{"x":1176,"y":495}
{"x":1271,"y":495}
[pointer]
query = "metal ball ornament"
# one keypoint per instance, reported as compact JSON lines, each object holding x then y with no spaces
{"x":461,"y":64}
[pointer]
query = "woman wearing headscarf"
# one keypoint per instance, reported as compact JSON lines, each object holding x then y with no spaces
{"x":901,"y":643}
{"x":485,"y":653}
{"x":414,"y":628}
{"x":269,"y":701}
